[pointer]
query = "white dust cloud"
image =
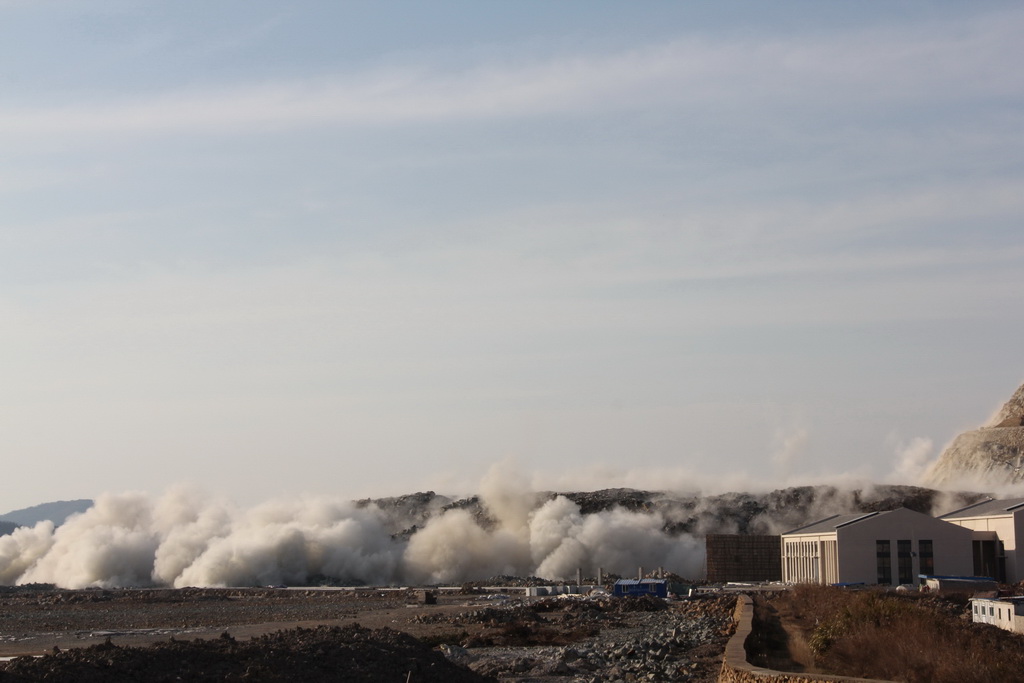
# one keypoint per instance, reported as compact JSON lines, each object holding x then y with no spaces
{"x":790,"y":445}
{"x":912,"y":461}
{"x":185,"y":539}
{"x":20,"y":550}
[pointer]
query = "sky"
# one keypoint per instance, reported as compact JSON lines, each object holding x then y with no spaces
{"x":370,"y":248}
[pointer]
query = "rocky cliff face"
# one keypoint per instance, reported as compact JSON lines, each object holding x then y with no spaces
{"x":991,"y":455}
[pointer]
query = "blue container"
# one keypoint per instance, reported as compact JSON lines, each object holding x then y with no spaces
{"x":656,"y":587}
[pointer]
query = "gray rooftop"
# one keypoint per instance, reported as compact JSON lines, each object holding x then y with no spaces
{"x":987,"y":508}
{"x":830,"y":524}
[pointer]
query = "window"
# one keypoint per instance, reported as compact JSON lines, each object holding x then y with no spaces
{"x":904,"y":562}
{"x":801,"y":561}
{"x":925,"y":552}
{"x":884,"y":561}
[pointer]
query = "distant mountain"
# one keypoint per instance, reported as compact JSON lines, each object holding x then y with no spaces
{"x":56,"y":512}
{"x":7,"y":527}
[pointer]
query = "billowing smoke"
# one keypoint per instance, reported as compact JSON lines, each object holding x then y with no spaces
{"x":912,"y":461}
{"x":790,"y":444}
{"x":185,"y":539}
{"x":22,"y":549}
{"x":113,"y":543}
{"x":455,"y":547}
{"x":562,"y":539}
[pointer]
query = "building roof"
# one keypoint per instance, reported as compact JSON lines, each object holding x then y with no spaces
{"x":1012,"y":599}
{"x":987,"y":508}
{"x":830,"y":524}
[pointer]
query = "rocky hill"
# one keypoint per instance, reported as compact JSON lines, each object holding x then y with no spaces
{"x":992,"y":455}
{"x":695,"y":514}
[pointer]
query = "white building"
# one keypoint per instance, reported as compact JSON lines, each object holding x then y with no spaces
{"x":1006,"y":613}
{"x":996,"y":525}
{"x":889,"y":548}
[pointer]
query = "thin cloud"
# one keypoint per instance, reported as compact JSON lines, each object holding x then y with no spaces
{"x":855,"y":69}
{"x":631,"y":246}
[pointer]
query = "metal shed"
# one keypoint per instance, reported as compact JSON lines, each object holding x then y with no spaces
{"x":656,"y":587}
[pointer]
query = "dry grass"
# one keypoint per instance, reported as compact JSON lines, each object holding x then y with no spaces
{"x":903,"y":637}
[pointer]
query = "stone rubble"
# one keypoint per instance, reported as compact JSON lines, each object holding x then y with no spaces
{"x":569,"y":638}
{"x":682,"y":643}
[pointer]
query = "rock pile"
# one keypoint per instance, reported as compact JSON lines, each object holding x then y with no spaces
{"x":677,"y":643}
{"x":694,"y":514}
{"x":507,"y":582}
{"x":990,"y":455}
{"x":569,"y":638}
